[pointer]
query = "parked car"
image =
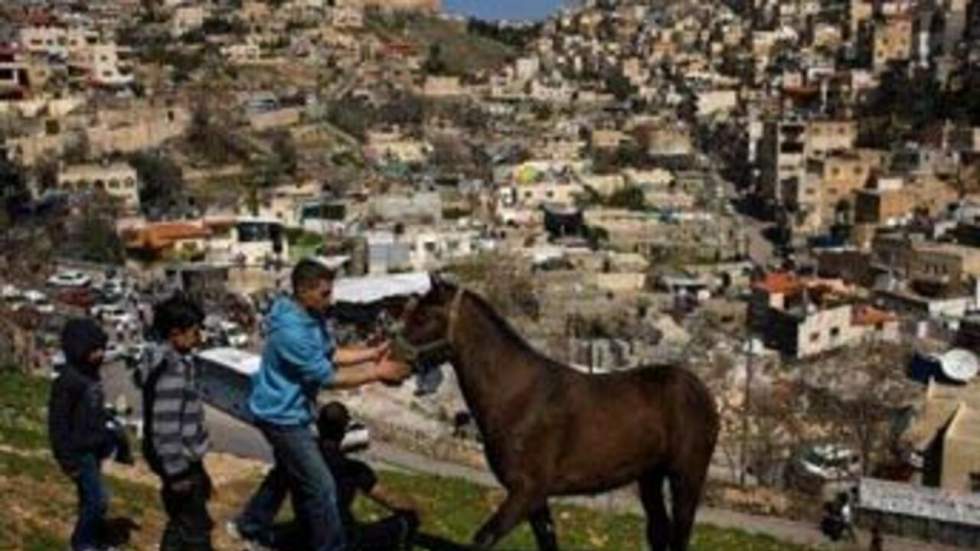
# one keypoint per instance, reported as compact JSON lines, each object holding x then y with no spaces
{"x":115,"y":314}
{"x":9,"y":292}
{"x":828,"y":463}
{"x":233,"y":334}
{"x":103,"y":308}
{"x":80,"y":296}
{"x":133,"y":354}
{"x":115,"y":351}
{"x":113,"y":288}
{"x":39,"y":301}
{"x":70,"y":278}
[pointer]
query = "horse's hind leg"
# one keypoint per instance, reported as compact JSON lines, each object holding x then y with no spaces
{"x":544,"y":529}
{"x":658,"y":523}
{"x":685,"y":493}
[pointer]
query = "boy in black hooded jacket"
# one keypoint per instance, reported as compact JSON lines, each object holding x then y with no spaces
{"x":82,"y":432}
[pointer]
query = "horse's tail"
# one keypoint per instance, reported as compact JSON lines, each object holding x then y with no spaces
{"x":700,"y":402}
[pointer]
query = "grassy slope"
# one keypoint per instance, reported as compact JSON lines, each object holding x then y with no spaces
{"x":461,"y":51}
{"x":41,"y":516}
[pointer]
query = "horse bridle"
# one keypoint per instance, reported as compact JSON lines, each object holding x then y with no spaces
{"x":410,"y":352}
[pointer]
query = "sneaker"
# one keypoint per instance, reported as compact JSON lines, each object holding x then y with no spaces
{"x":235,"y":533}
{"x":231,"y":528}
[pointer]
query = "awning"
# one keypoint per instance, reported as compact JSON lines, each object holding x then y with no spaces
{"x":365,"y":290}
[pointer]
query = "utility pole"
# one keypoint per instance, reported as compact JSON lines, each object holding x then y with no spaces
{"x":746,"y":409}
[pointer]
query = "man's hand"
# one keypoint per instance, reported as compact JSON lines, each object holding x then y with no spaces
{"x":391,"y":371}
{"x":382,"y":350}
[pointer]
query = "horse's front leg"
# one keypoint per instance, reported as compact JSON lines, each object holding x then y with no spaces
{"x":544,"y":528}
{"x":512,"y":511}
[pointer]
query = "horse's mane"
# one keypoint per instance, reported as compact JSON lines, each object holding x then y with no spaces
{"x":505,"y":326}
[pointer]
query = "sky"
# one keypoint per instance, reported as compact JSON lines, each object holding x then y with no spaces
{"x":502,"y":9}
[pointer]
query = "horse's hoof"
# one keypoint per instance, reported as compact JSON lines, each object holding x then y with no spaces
{"x":483,"y":542}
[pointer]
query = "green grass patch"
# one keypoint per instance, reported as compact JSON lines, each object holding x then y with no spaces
{"x":23,"y":409}
{"x":455,"y":509}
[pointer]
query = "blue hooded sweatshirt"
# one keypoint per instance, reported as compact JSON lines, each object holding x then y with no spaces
{"x":296,"y":364}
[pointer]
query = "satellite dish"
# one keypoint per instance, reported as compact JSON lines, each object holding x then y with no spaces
{"x":959,"y":365}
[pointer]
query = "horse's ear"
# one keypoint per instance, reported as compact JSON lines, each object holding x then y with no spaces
{"x":435,"y":281}
{"x":443,"y":280}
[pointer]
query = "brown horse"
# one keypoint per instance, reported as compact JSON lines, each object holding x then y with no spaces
{"x":550,"y":430}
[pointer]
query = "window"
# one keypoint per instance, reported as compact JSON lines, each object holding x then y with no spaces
{"x":130,"y":183}
{"x":834,"y":332}
{"x":113,"y":184}
{"x":975,"y":482}
{"x":814,"y":337}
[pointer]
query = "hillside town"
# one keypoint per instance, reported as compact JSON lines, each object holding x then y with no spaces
{"x":783,"y":197}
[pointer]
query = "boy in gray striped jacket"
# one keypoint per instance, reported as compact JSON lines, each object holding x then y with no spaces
{"x":175,"y":438}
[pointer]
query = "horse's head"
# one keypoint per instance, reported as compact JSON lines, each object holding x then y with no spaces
{"x":422,"y":332}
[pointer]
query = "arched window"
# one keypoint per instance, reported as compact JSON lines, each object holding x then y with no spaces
{"x":100,"y":184}
{"x":113,"y":184}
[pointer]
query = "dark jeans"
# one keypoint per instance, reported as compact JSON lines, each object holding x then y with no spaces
{"x":301,"y":472}
{"x":93,"y":503}
{"x":188,"y":522}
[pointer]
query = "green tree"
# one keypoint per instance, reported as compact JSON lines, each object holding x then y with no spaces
{"x":352,"y":116}
{"x":92,"y":233}
{"x":284,"y":150}
{"x":212,"y":139}
{"x":629,"y":197}
{"x":161,"y":181}
{"x":619,"y":86}
{"x":434,"y":63}
{"x":13,"y":190}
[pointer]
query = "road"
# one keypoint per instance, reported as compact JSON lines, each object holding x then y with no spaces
{"x":761,"y":250}
{"x":232,"y":436}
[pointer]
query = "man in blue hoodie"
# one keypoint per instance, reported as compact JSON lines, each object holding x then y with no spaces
{"x":300,"y":358}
